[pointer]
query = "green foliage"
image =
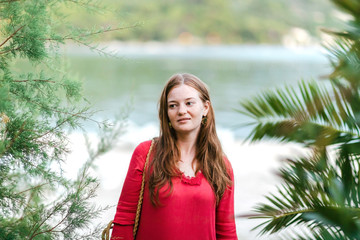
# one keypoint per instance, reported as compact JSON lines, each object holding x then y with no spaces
{"x":310,"y":114}
{"x":319,"y":191}
{"x":37,"y":108}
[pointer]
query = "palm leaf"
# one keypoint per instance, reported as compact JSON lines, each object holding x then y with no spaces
{"x":316,"y":234}
{"x":350,"y":6}
{"x":303,"y":116}
{"x":316,"y":193}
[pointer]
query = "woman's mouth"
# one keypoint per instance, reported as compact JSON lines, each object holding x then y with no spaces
{"x":182,"y":120}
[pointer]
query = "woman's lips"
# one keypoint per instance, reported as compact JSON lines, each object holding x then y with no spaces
{"x":183,"y":120}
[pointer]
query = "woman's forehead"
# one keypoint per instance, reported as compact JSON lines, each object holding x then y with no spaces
{"x":183,"y":92}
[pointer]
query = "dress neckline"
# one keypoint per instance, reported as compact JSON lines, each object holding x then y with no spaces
{"x":196,"y":180}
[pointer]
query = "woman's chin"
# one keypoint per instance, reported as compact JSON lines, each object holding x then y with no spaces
{"x":186,"y":130}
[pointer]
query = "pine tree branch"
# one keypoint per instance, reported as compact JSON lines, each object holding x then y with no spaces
{"x":51,"y":229}
{"x":29,"y":200}
{"x":58,"y":125}
{"x":89,"y":34}
{"x":10,"y":1}
{"x":13,"y":139}
{"x":77,"y":193}
{"x":29,"y":189}
{"x":11,"y":36}
{"x":35,"y":80}
{"x":104,"y":31}
{"x":81,"y":35}
{"x":10,"y":50}
{"x":83,"y":4}
{"x":58,"y":111}
{"x":48,"y":217}
{"x":87,"y":45}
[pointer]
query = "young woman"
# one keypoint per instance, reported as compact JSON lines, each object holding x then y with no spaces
{"x":189,"y":190}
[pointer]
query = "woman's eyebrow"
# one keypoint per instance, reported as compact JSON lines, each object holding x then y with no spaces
{"x":186,"y":99}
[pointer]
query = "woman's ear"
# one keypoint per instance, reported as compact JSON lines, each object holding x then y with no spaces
{"x":206,"y":107}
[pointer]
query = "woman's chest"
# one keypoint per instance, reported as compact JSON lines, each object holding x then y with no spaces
{"x":186,"y":212}
{"x":194,"y":191}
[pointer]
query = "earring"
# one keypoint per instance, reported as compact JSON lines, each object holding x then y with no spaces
{"x":170,"y":125}
{"x":204,"y":120}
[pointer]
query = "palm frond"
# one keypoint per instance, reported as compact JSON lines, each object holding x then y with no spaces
{"x":307,"y":115}
{"x":316,"y":234}
{"x":345,"y":60}
{"x":316,"y":193}
{"x":307,"y":133}
{"x":350,"y":6}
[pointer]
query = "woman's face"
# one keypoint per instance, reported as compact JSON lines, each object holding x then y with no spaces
{"x":185,"y":109}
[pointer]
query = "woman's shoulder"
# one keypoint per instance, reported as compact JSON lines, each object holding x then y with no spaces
{"x":226,"y":161}
{"x":228,"y":164}
{"x":140,"y":154}
{"x":144,"y":147}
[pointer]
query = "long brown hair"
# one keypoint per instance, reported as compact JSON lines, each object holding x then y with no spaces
{"x":209,"y":154}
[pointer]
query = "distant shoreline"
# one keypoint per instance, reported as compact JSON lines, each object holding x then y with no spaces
{"x":175,"y":49}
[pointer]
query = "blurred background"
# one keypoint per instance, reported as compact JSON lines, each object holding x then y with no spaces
{"x":239,"y":48}
{"x":211,"y":21}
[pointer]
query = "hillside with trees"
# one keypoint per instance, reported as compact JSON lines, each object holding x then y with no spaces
{"x":211,"y":21}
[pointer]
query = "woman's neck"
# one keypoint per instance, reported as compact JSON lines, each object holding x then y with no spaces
{"x":187,"y":163}
{"x":187,"y":147}
{"x":186,"y":142}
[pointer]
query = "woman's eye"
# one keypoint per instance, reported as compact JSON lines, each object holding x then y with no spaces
{"x":171,"y":105}
{"x":189,"y":103}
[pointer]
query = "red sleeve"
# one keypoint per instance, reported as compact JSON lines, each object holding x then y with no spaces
{"x":126,"y":209}
{"x":225,"y":220}
{"x":122,"y":232}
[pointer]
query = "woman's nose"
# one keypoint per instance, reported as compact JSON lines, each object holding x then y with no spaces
{"x":182,"y":109}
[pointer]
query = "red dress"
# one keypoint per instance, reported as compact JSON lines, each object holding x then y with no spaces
{"x":189,"y":213}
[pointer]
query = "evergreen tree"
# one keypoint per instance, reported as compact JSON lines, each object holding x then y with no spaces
{"x":319,"y":192}
{"x":37,"y":108}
